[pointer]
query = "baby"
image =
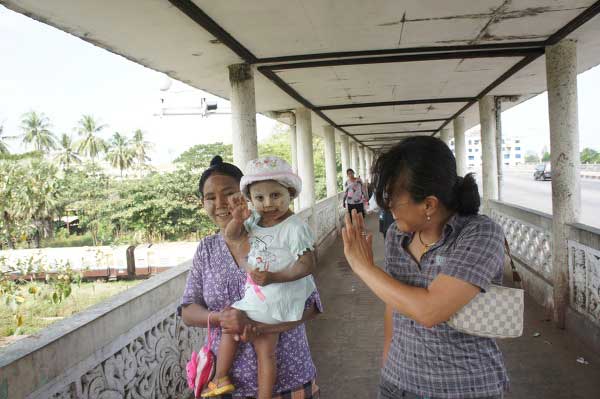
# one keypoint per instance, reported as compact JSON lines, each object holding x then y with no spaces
{"x":280,"y":263}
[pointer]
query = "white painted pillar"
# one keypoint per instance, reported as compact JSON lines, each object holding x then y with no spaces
{"x":561,"y":80}
{"x":369,"y":164}
{"x":445,"y":136}
{"x":499,"y":154}
{"x":345,"y":149}
{"x":243,"y":114}
{"x":306,"y":167}
{"x":330,"y":167}
{"x":489,"y":162}
{"x":294,"y":151}
{"x":361,"y":162}
{"x":354,"y":157}
{"x":460,"y":148}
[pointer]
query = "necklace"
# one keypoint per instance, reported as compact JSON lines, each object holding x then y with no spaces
{"x":427,"y":246}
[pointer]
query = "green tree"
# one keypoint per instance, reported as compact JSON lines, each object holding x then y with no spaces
{"x":546,"y":157}
{"x":90,"y":144}
{"x":30,"y":187}
{"x":140,"y":149}
{"x":66,"y":155}
{"x":531,"y":157}
{"x":3,"y":143}
{"x":36,"y":130}
{"x":120,"y":155}
{"x":198,"y":157}
{"x":589,"y":155}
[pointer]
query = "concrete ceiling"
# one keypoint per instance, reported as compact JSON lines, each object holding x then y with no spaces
{"x":362,"y":66}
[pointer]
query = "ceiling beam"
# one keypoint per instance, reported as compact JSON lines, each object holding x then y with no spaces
{"x":190,"y":9}
{"x":394,"y":123}
{"x":450,"y":55}
{"x":400,"y":132}
{"x":393,"y":103}
{"x":572,"y":25}
{"x":514,"y":69}
{"x":410,"y":50}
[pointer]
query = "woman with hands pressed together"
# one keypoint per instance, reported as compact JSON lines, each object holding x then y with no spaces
{"x":217,"y":280}
{"x":439,"y":254}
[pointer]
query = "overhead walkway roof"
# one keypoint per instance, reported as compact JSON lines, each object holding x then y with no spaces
{"x":377,"y":70}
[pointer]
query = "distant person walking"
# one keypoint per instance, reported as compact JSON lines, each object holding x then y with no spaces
{"x":355,"y":195}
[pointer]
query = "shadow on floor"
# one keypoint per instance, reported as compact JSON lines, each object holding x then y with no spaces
{"x":347,"y":340}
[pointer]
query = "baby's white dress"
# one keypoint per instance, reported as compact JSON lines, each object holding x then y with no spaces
{"x":273,"y":249}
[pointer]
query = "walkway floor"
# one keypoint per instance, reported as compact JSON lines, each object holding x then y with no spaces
{"x":346,"y":342}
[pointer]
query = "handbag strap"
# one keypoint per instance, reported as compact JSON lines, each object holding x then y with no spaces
{"x":516,"y":277}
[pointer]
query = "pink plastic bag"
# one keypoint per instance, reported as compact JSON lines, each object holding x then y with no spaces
{"x":201,"y":367}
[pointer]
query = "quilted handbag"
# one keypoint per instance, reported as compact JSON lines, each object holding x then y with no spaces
{"x":201,"y":367}
{"x":496,"y":313}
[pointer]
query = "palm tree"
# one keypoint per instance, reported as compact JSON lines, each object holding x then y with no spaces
{"x":3,"y":144}
{"x":36,"y":130}
{"x":140,"y":148}
{"x":66,"y":153}
{"x":120,"y":155}
{"x":90,"y":144}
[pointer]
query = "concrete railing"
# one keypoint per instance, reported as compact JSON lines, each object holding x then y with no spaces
{"x":133,"y":345}
{"x":529,"y":234}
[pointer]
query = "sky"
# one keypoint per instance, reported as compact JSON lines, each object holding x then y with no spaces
{"x":49,"y":71}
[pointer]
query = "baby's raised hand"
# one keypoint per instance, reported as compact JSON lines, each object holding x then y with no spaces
{"x":261,"y":278}
{"x":238,"y":208}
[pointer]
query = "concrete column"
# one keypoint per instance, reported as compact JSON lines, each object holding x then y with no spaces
{"x":306,"y":167}
{"x":561,"y":80}
{"x":445,"y":136}
{"x":489,"y":160}
{"x":345,"y":149}
{"x":330,"y":167}
{"x":354,"y":157}
{"x":368,"y":164}
{"x":361,"y":162}
{"x":460,"y":148}
{"x":243,"y":114}
{"x":499,"y":154}
{"x":294,"y":151}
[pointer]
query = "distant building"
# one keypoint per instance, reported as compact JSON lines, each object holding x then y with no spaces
{"x":512,"y":152}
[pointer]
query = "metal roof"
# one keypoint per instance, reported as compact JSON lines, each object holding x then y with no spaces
{"x":377,"y":70}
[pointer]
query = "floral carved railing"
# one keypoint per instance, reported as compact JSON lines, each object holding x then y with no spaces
{"x":584,"y":280}
{"x":152,"y":365}
{"x":532,"y":244}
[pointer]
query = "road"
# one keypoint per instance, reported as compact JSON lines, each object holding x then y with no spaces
{"x":519,"y":188}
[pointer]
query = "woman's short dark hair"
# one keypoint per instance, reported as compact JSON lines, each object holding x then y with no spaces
{"x":217,"y":166}
{"x":424,"y":166}
{"x":349,"y":170}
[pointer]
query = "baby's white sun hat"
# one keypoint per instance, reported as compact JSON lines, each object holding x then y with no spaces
{"x":270,"y":168}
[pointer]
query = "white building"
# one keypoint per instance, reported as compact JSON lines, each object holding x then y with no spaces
{"x":512,"y":151}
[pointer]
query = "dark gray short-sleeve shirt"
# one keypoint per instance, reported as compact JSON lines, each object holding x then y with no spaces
{"x":440,"y":362}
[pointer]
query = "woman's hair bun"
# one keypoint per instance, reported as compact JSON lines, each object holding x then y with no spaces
{"x":217,"y":160}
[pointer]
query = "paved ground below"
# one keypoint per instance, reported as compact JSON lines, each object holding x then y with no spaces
{"x":346,"y":342}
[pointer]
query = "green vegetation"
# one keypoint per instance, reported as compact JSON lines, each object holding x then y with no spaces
{"x":590,"y":156}
{"x":38,"y":310}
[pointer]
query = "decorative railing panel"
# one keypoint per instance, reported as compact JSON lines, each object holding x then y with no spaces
{"x":531,"y":244}
{"x":325,"y":216}
{"x":150,"y":365}
{"x":584,"y":280}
